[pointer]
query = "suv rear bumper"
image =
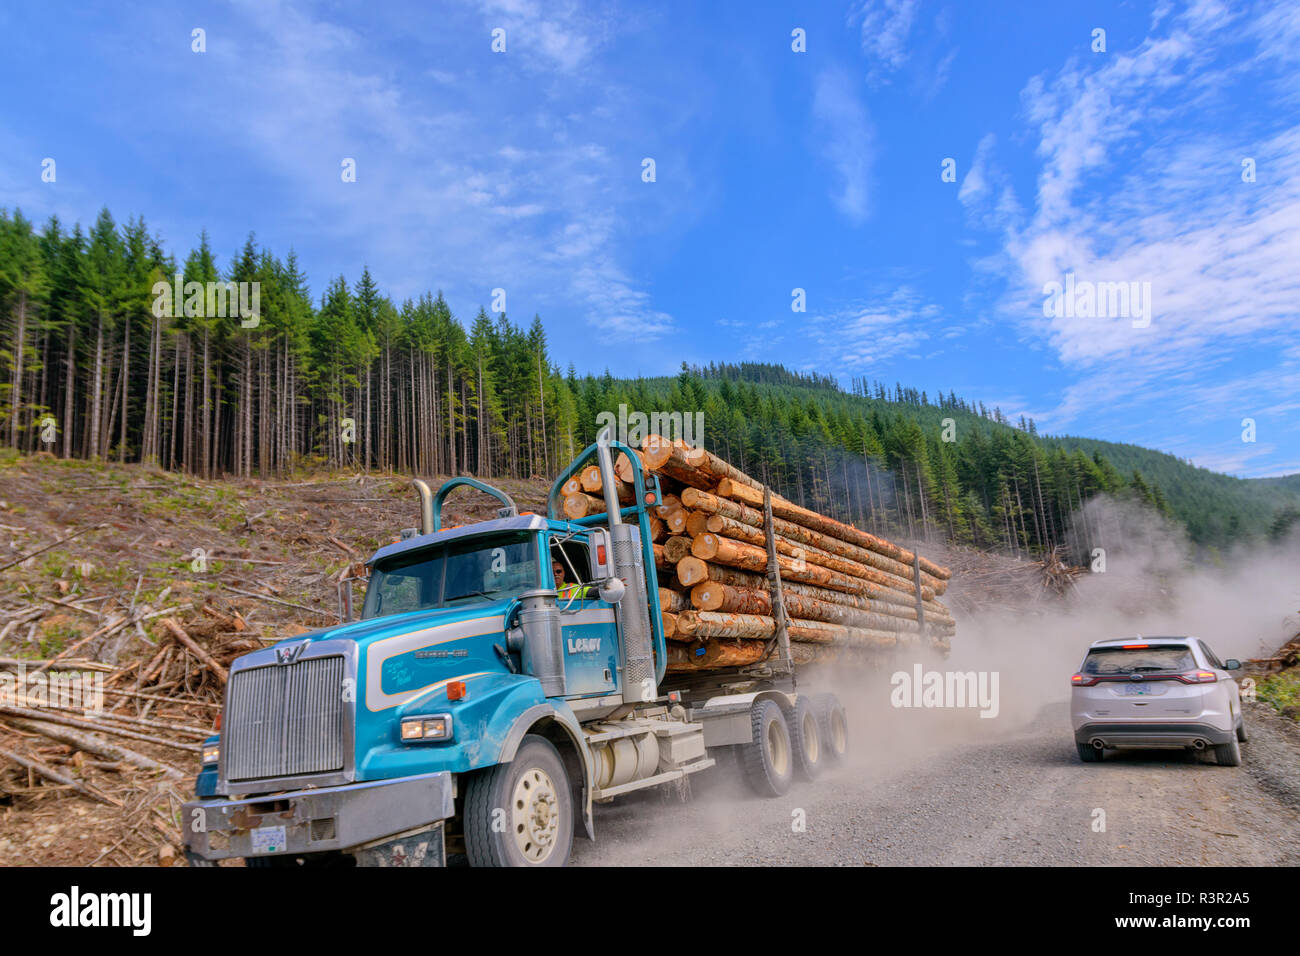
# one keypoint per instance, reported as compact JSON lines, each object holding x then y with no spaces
{"x":314,"y":821}
{"x":1153,"y":735}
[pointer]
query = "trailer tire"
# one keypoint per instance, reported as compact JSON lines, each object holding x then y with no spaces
{"x":520,"y":813}
{"x":805,"y":739}
{"x":768,"y":758}
{"x":834,"y":724}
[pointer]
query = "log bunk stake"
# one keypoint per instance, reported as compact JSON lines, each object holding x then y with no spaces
{"x":782,"y":636}
{"x":920,"y":604}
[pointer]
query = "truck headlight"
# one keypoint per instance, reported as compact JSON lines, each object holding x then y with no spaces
{"x":435,"y":727}
{"x":211,"y":753}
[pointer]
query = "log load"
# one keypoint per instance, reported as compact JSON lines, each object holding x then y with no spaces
{"x":592,"y":483}
{"x":733,"y":518}
{"x":708,"y":655}
{"x":673,"y":601}
{"x":677,"y":547}
{"x":848,"y":594}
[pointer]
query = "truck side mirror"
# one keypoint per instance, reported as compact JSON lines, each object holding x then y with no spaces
{"x":612,"y":590}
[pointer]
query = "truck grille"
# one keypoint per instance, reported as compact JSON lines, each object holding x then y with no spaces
{"x":284,"y":720}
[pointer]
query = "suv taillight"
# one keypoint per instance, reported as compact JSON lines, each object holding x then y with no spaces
{"x":1078,"y":680}
{"x":1198,"y":677}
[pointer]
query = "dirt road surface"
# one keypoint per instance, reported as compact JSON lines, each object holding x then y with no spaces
{"x":1019,"y":798}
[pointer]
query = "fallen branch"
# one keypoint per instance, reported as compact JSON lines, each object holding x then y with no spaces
{"x":11,"y":710}
{"x":108,"y":715}
{"x":104,"y":631}
{"x":97,"y":746}
{"x":263,"y":597}
{"x":211,"y":662}
{"x":76,"y":663}
{"x":32,"y":554}
{"x":51,"y":774}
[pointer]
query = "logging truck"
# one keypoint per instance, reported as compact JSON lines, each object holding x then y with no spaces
{"x":502,"y":677}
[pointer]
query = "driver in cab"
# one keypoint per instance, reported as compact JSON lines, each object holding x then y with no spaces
{"x":567,"y":592}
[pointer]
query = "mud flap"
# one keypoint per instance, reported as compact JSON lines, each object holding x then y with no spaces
{"x":425,"y":846}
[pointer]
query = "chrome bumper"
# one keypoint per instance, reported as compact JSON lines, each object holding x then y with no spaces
{"x":349,"y":817}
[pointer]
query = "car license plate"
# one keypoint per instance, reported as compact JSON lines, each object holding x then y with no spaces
{"x":1137,"y":690}
{"x":268,"y":840}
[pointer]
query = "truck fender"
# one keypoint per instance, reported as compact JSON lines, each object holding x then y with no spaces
{"x":726,"y":718}
{"x":784,"y":700}
{"x":573,"y":733}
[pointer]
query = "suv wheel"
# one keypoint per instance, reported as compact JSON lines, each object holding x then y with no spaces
{"x":1229,"y":754}
{"x":1088,"y":753}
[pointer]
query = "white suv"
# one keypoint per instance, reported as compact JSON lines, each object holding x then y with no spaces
{"x":1167,"y":692}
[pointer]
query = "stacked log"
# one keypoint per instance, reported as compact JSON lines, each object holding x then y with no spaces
{"x":848,"y":593}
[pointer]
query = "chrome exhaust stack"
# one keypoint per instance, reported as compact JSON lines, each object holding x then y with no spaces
{"x":426,"y":505}
{"x":607,"y":479}
{"x":639,"y":683}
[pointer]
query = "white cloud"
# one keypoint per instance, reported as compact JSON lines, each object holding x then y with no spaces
{"x":847,"y":141}
{"x":1141,"y":181}
{"x":884,"y":26}
{"x":551,"y":35}
{"x":975,"y":186}
{"x":867,"y":332}
{"x":498,"y":182}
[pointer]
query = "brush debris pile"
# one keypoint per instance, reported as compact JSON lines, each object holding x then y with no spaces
{"x":126,"y":737}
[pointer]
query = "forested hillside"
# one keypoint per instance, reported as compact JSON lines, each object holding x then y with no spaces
{"x":93,"y":366}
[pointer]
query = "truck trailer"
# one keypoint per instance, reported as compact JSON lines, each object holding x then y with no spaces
{"x":479,"y":707}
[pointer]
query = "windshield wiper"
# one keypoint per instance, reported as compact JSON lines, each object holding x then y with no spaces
{"x":461,"y":597}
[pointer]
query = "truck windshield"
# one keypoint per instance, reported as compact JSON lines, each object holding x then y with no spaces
{"x":488,"y":567}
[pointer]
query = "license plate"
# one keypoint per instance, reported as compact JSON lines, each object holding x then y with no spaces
{"x":1137,"y":690}
{"x":268,"y":840}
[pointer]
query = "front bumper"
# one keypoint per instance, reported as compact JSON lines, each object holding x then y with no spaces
{"x":1140,"y":735}
{"x":347,"y":817}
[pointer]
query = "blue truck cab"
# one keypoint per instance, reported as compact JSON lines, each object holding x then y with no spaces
{"x":480,"y":705}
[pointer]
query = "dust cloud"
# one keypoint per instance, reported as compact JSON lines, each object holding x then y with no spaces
{"x":1243,"y":604}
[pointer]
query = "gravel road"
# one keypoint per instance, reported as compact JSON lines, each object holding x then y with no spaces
{"x":965,"y":795}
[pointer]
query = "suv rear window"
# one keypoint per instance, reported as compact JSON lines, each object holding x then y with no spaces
{"x":1167,"y":658}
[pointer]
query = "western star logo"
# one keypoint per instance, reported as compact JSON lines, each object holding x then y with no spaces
{"x":287,"y":655}
{"x":583,"y":645}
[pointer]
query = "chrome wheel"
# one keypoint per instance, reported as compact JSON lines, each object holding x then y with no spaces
{"x":535,"y":815}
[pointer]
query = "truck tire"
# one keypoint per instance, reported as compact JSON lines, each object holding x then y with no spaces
{"x":805,"y":739}
{"x":834,"y":725}
{"x":768,"y":758}
{"x":520,"y":813}
{"x":1229,"y":754}
{"x":1088,"y":753}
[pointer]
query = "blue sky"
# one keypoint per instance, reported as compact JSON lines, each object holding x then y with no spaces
{"x":774,"y":170}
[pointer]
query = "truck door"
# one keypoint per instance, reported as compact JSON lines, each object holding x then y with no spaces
{"x":587,"y":624}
